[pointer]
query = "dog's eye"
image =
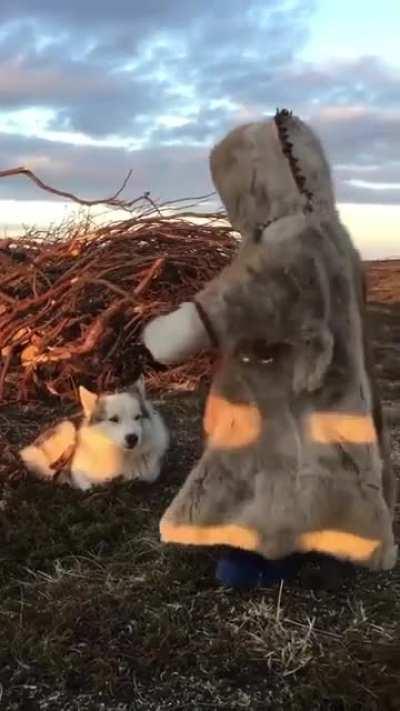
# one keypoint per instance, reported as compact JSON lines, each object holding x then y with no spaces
{"x":138,"y":417}
{"x":114,"y":419}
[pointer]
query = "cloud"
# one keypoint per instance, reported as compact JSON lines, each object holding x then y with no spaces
{"x":365,"y":81}
{"x":171,"y":77}
{"x":363,"y":145}
{"x":104,"y":66}
{"x":360,"y":134}
{"x":176,"y":171}
{"x":95,"y":172}
{"x":83,"y":95}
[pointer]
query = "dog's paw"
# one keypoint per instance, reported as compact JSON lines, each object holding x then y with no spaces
{"x":80,"y":481}
{"x":148,"y":470}
{"x":150,"y":477}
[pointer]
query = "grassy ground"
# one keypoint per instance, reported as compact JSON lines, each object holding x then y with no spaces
{"x":96,"y":614}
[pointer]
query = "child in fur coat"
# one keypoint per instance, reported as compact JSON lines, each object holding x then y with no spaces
{"x":295,"y":459}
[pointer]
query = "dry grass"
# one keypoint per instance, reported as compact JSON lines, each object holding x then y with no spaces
{"x":97,"y":614}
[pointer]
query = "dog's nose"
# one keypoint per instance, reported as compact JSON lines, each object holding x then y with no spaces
{"x":131,"y":440}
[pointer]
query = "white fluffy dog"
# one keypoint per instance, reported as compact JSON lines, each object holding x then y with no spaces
{"x":120,"y":435}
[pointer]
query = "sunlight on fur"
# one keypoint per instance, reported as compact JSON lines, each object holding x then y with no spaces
{"x":231,"y":425}
{"x":328,"y":427}
{"x":48,"y":448}
{"x":120,"y":435}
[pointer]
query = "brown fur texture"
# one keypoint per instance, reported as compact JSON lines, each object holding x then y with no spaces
{"x":296,"y":457}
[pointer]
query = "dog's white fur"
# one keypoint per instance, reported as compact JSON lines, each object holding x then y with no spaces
{"x":121,"y":435}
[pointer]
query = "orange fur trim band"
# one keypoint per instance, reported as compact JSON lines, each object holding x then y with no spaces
{"x":230,"y":425}
{"x":331,"y":542}
{"x":329,"y":427}
{"x":338,"y":543}
{"x":228,"y":534}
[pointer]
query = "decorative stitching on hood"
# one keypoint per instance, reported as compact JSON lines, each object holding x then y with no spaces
{"x":281,"y":117}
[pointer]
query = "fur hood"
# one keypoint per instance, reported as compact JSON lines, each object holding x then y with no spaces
{"x":271,"y":169}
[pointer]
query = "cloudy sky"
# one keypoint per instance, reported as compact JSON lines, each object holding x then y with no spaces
{"x":92,"y":88}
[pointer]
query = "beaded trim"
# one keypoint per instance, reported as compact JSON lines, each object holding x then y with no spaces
{"x":280,"y":119}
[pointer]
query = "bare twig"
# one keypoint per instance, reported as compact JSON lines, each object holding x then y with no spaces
{"x":155,"y":269}
{"x":5,"y":368}
{"x":93,"y":336}
{"x":113,"y":201}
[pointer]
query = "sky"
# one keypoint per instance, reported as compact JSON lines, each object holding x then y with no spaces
{"x":90,"y":89}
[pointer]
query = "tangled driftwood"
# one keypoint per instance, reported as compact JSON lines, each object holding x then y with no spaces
{"x":73,"y":301}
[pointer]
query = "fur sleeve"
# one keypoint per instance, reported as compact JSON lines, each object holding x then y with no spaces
{"x":177,"y":336}
{"x":278,"y":297}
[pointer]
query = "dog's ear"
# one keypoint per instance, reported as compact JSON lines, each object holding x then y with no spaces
{"x":88,"y":401}
{"x":140,"y":386}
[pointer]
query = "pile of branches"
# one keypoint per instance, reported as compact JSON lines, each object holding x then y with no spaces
{"x":74,"y":301}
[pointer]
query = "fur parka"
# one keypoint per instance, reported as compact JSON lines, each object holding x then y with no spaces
{"x":295,"y":458}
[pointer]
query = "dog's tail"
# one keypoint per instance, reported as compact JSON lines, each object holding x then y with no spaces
{"x":51,"y":451}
